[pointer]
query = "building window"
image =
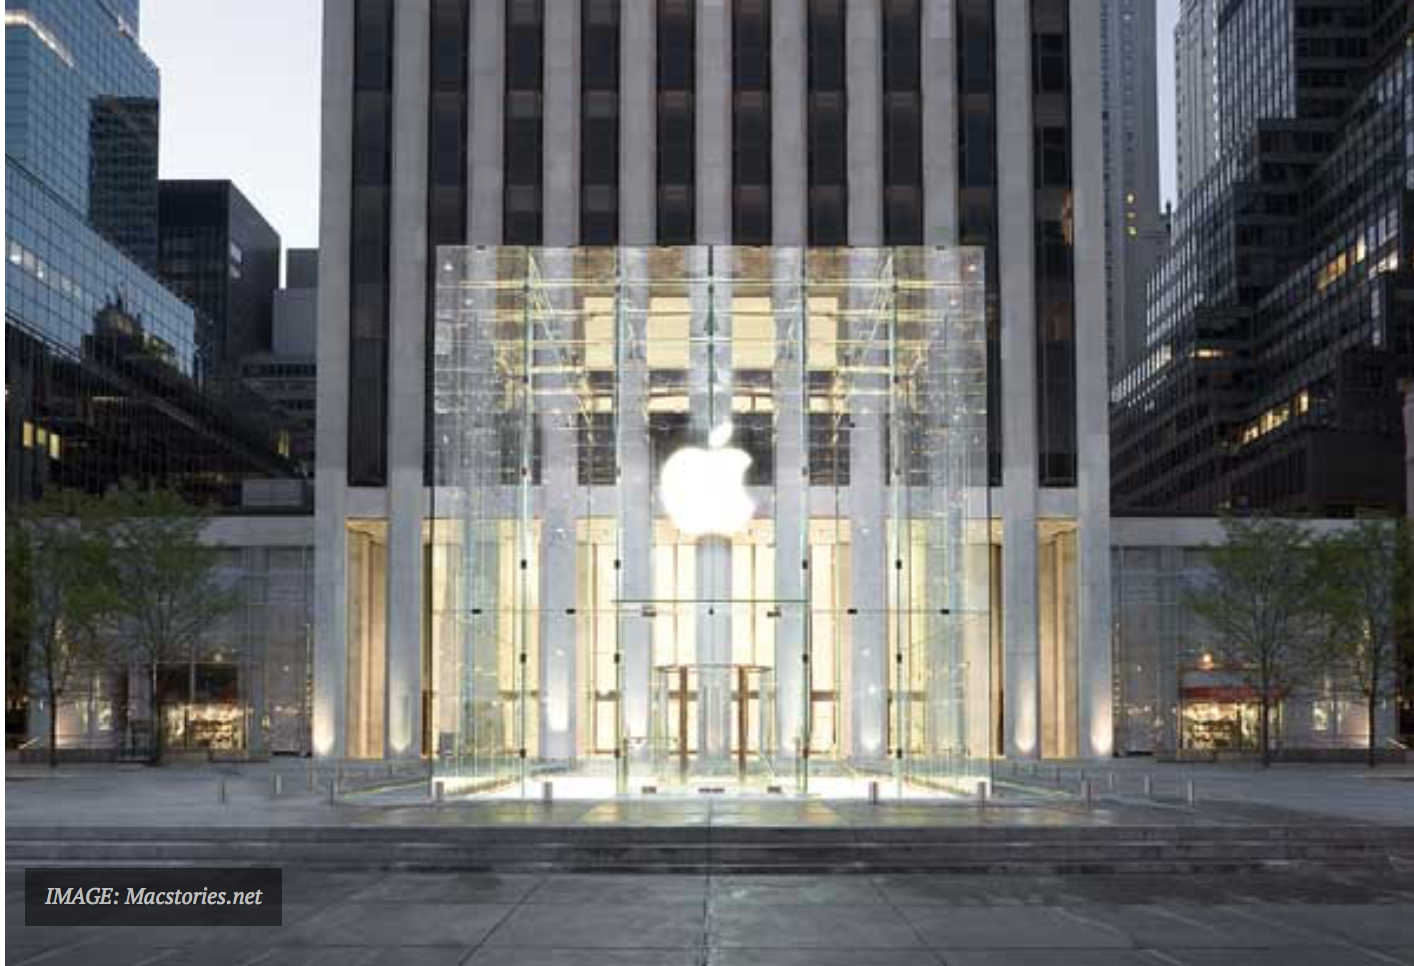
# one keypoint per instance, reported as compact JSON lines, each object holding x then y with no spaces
{"x":524,"y":110}
{"x":826,"y":130}
{"x":677,"y":124}
{"x":751,"y":122}
{"x":599,"y":122}
{"x":903,"y":123}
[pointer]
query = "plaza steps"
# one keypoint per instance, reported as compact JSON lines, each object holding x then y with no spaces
{"x":730,"y":849}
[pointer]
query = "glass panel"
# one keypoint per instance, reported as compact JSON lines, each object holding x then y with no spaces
{"x":711,"y":519}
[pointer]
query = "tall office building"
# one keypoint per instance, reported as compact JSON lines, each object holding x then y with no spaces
{"x":101,"y":370}
{"x":1133,"y":221}
{"x":1283,"y":316}
{"x":218,"y":252}
{"x":1197,"y":116}
{"x":564,"y":242}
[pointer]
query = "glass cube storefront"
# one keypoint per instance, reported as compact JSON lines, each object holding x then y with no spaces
{"x":709,"y":518}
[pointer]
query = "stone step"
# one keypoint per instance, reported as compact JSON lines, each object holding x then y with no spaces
{"x":724,"y":849}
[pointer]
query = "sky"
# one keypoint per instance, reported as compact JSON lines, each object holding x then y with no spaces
{"x":240,"y":100}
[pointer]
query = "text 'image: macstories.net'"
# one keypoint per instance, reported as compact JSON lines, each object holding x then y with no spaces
{"x":596,"y":482}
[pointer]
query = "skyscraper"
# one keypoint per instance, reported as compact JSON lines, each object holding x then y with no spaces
{"x":1283,"y":315}
{"x":561,"y":135}
{"x":1133,"y":222}
{"x":1195,"y":41}
{"x":102,"y":377}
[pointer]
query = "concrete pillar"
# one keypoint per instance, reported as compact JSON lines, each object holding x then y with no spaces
{"x":714,"y":122}
{"x":331,"y":420}
{"x":869,"y":495}
{"x":939,"y":70}
{"x":561,"y":162}
{"x":709,"y":402}
{"x":789,"y":149}
{"x":792,"y":492}
{"x":486,"y":104}
{"x":864,"y":82}
{"x":1095,"y":652}
{"x":407,"y":362}
{"x":557,"y":414}
{"x":868,"y":401}
{"x":635,"y":482}
{"x":638,"y":124}
{"x":1016,"y":231}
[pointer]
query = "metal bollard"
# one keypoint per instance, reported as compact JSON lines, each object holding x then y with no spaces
{"x":277,"y":785}
{"x":1111,"y":783}
{"x":1086,"y":793}
{"x":333,"y":790}
{"x":1148,"y":786}
{"x":1056,"y":775}
{"x":439,"y":792}
{"x":310,"y":773}
{"x":873,"y":793}
{"x":982,"y":794}
{"x":1192,"y":793}
{"x":221,"y":792}
{"x":547,"y":793}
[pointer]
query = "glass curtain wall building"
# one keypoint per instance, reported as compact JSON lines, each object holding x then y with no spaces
{"x":589,"y":166}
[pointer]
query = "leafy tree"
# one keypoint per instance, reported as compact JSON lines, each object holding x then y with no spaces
{"x":1260,"y":598}
{"x":167,"y":591}
{"x":66,"y":549}
{"x":19,"y":617}
{"x":1362,"y":570}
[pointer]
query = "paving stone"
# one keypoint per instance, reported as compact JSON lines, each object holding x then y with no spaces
{"x":809,"y":927}
{"x":1187,"y":927}
{"x":389,"y":924}
{"x":795,"y":890}
{"x":1298,"y":956}
{"x":821,"y":957}
{"x":522,"y":956}
{"x":1374,"y":925}
{"x":447,"y":887}
{"x":617,"y":926}
{"x":619,"y":889}
{"x":1010,"y":928}
{"x":1053,"y":957}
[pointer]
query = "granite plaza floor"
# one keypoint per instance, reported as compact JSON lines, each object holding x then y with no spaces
{"x":409,"y":919}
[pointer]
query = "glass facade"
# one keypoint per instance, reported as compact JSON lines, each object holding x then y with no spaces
{"x":103,"y":374}
{"x":677,"y":122}
{"x":703,"y":515}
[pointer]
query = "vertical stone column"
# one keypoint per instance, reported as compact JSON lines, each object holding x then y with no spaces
{"x":407,"y":366}
{"x":939,"y":69}
{"x":864,"y":82}
{"x":789,"y":148}
{"x":638,"y":124}
{"x":709,"y":407}
{"x":714,"y":122}
{"x":331,"y":421}
{"x":792,"y":492}
{"x":635,"y":489}
{"x":486,"y":104}
{"x":561,"y":162}
{"x":557,"y":416}
{"x":1020,"y":480}
{"x":789,"y":221}
{"x":870,"y":488}
{"x":1095,"y":653}
{"x":868,"y":401}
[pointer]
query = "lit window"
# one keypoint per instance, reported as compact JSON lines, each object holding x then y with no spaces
{"x":28,"y":435}
{"x":54,"y":446}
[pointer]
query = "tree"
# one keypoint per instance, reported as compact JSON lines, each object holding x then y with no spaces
{"x":1362,"y":570}
{"x":168,"y":594}
{"x":1260,"y":599}
{"x":65,"y":549}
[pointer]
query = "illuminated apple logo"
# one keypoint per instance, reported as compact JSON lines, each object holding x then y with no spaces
{"x":703,"y":489}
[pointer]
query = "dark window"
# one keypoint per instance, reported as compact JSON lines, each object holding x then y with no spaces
{"x":977,"y":181}
{"x":751,"y":122}
{"x":828,"y":161}
{"x":599,"y":122}
{"x":677,"y":126}
{"x":369,"y":251}
{"x":903,"y":124}
{"x":525,"y":48}
{"x":1054,"y":243}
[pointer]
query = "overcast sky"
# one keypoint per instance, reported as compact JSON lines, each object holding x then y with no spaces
{"x":240,"y":100}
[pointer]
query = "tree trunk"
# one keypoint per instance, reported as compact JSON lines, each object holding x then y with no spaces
{"x":53,"y":728}
{"x":155,"y":704}
{"x":1370,"y":718}
{"x":1264,"y":730}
